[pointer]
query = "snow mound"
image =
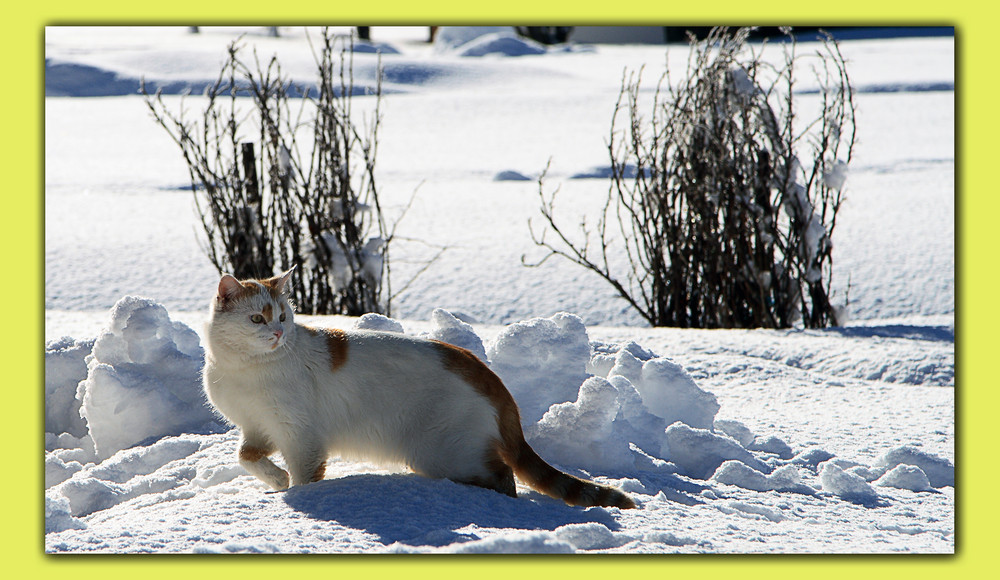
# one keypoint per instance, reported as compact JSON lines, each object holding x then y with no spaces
{"x":58,"y":517}
{"x":542,"y":361}
{"x":129,"y":473}
{"x":143,"y":379}
{"x":65,"y":368}
{"x":501,"y":44}
{"x":585,"y":430}
{"x":592,"y":536}
{"x":485,"y":41}
{"x":905,"y":476}
{"x":448,"y":328}
{"x":699,"y":452}
{"x":380,"y":322}
{"x":517,"y":543}
{"x":940,"y":472}
{"x":773,"y":445}
{"x":846,"y":485}
{"x":367,"y":47}
{"x":783,"y":479}
{"x":812,"y":457}
{"x":736,"y":430}
{"x":670,"y":392}
{"x":665,"y":388}
{"x":449,"y":38}
{"x":511,"y":175}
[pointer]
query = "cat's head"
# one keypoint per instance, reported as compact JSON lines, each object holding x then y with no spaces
{"x":252,"y":316}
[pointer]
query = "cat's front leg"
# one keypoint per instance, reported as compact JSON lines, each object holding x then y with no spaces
{"x":253,"y":457}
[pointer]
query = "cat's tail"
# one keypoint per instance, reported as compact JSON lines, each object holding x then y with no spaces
{"x":542,"y":477}
{"x":512,"y":452}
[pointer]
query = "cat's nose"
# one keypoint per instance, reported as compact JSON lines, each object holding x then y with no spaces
{"x":278,"y":333}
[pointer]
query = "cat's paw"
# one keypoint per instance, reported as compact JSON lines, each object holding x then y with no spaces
{"x":280,"y":481}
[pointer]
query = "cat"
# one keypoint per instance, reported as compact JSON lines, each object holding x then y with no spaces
{"x":309,"y":393}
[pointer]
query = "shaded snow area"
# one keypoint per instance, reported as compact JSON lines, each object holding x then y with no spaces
{"x":731,"y":441}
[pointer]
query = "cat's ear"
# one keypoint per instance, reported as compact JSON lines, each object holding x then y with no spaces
{"x":283,"y":280}
{"x":229,"y":287}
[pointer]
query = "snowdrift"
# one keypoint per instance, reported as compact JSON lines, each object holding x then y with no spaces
{"x":136,"y":434}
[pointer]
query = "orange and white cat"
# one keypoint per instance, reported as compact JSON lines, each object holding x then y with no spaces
{"x":380,"y":396}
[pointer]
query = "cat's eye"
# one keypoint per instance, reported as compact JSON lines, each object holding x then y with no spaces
{"x":257,"y":319}
{"x":282,"y":317}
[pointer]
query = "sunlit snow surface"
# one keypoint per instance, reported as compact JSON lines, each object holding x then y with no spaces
{"x":839,"y":440}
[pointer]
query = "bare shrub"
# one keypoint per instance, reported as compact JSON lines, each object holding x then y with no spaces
{"x":719,"y":221}
{"x":278,"y":187}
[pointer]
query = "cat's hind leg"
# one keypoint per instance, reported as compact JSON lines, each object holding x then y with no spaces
{"x":306,"y":462}
{"x":500,"y":478}
{"x":254,"y":458}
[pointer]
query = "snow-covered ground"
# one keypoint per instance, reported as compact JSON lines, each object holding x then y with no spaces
{"x":833,"y":441}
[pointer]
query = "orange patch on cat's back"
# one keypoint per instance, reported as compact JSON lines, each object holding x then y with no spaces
{"x":337,"y":345}
{"x":467,"y":365}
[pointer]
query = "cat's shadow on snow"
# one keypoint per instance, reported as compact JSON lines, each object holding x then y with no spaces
{"x":419,"y":511}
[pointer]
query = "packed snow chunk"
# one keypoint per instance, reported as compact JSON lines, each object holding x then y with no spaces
{"x":939,"y":471}
{"x":130,"y":463}
{"x":69,"y":448}
{"x":634,"y":421}
{"x":128,"y":474}
{"x":542,"y":361}
{"x":846,"y":485}
{"x":668,"y":391}
{"x":669,"y":539}
{"x":784,"y":479}
{"x":738,"y":431}
{"x":606,"y":356}
{"x":753,"y":512}
{"x":143,"y":379}
{"x":343,"y":266}
{"x":582,"y":433}
{"x":57,"y":470}
{"x":379,"y":322}
{"x":773,"y":445}
{"x":591,"y":536}
{"x":516,"y":543}
{"x":812,"y":457}
{"x":699,"y":452}
{"x":866,"y":473}
{"x":57,"y":515}
{"x":65,"y":368}
{"x":448,"y":328}
{"x":905,"y":476}
{"x":836,"y":176}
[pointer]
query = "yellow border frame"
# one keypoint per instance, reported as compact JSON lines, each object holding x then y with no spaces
{"x":23,"y":239}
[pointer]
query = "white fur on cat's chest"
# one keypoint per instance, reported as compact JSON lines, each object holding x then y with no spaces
{"x":260,"y":398}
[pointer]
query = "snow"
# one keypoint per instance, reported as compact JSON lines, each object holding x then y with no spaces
{"x":143,"y":379}
{"x":731,"y":441}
